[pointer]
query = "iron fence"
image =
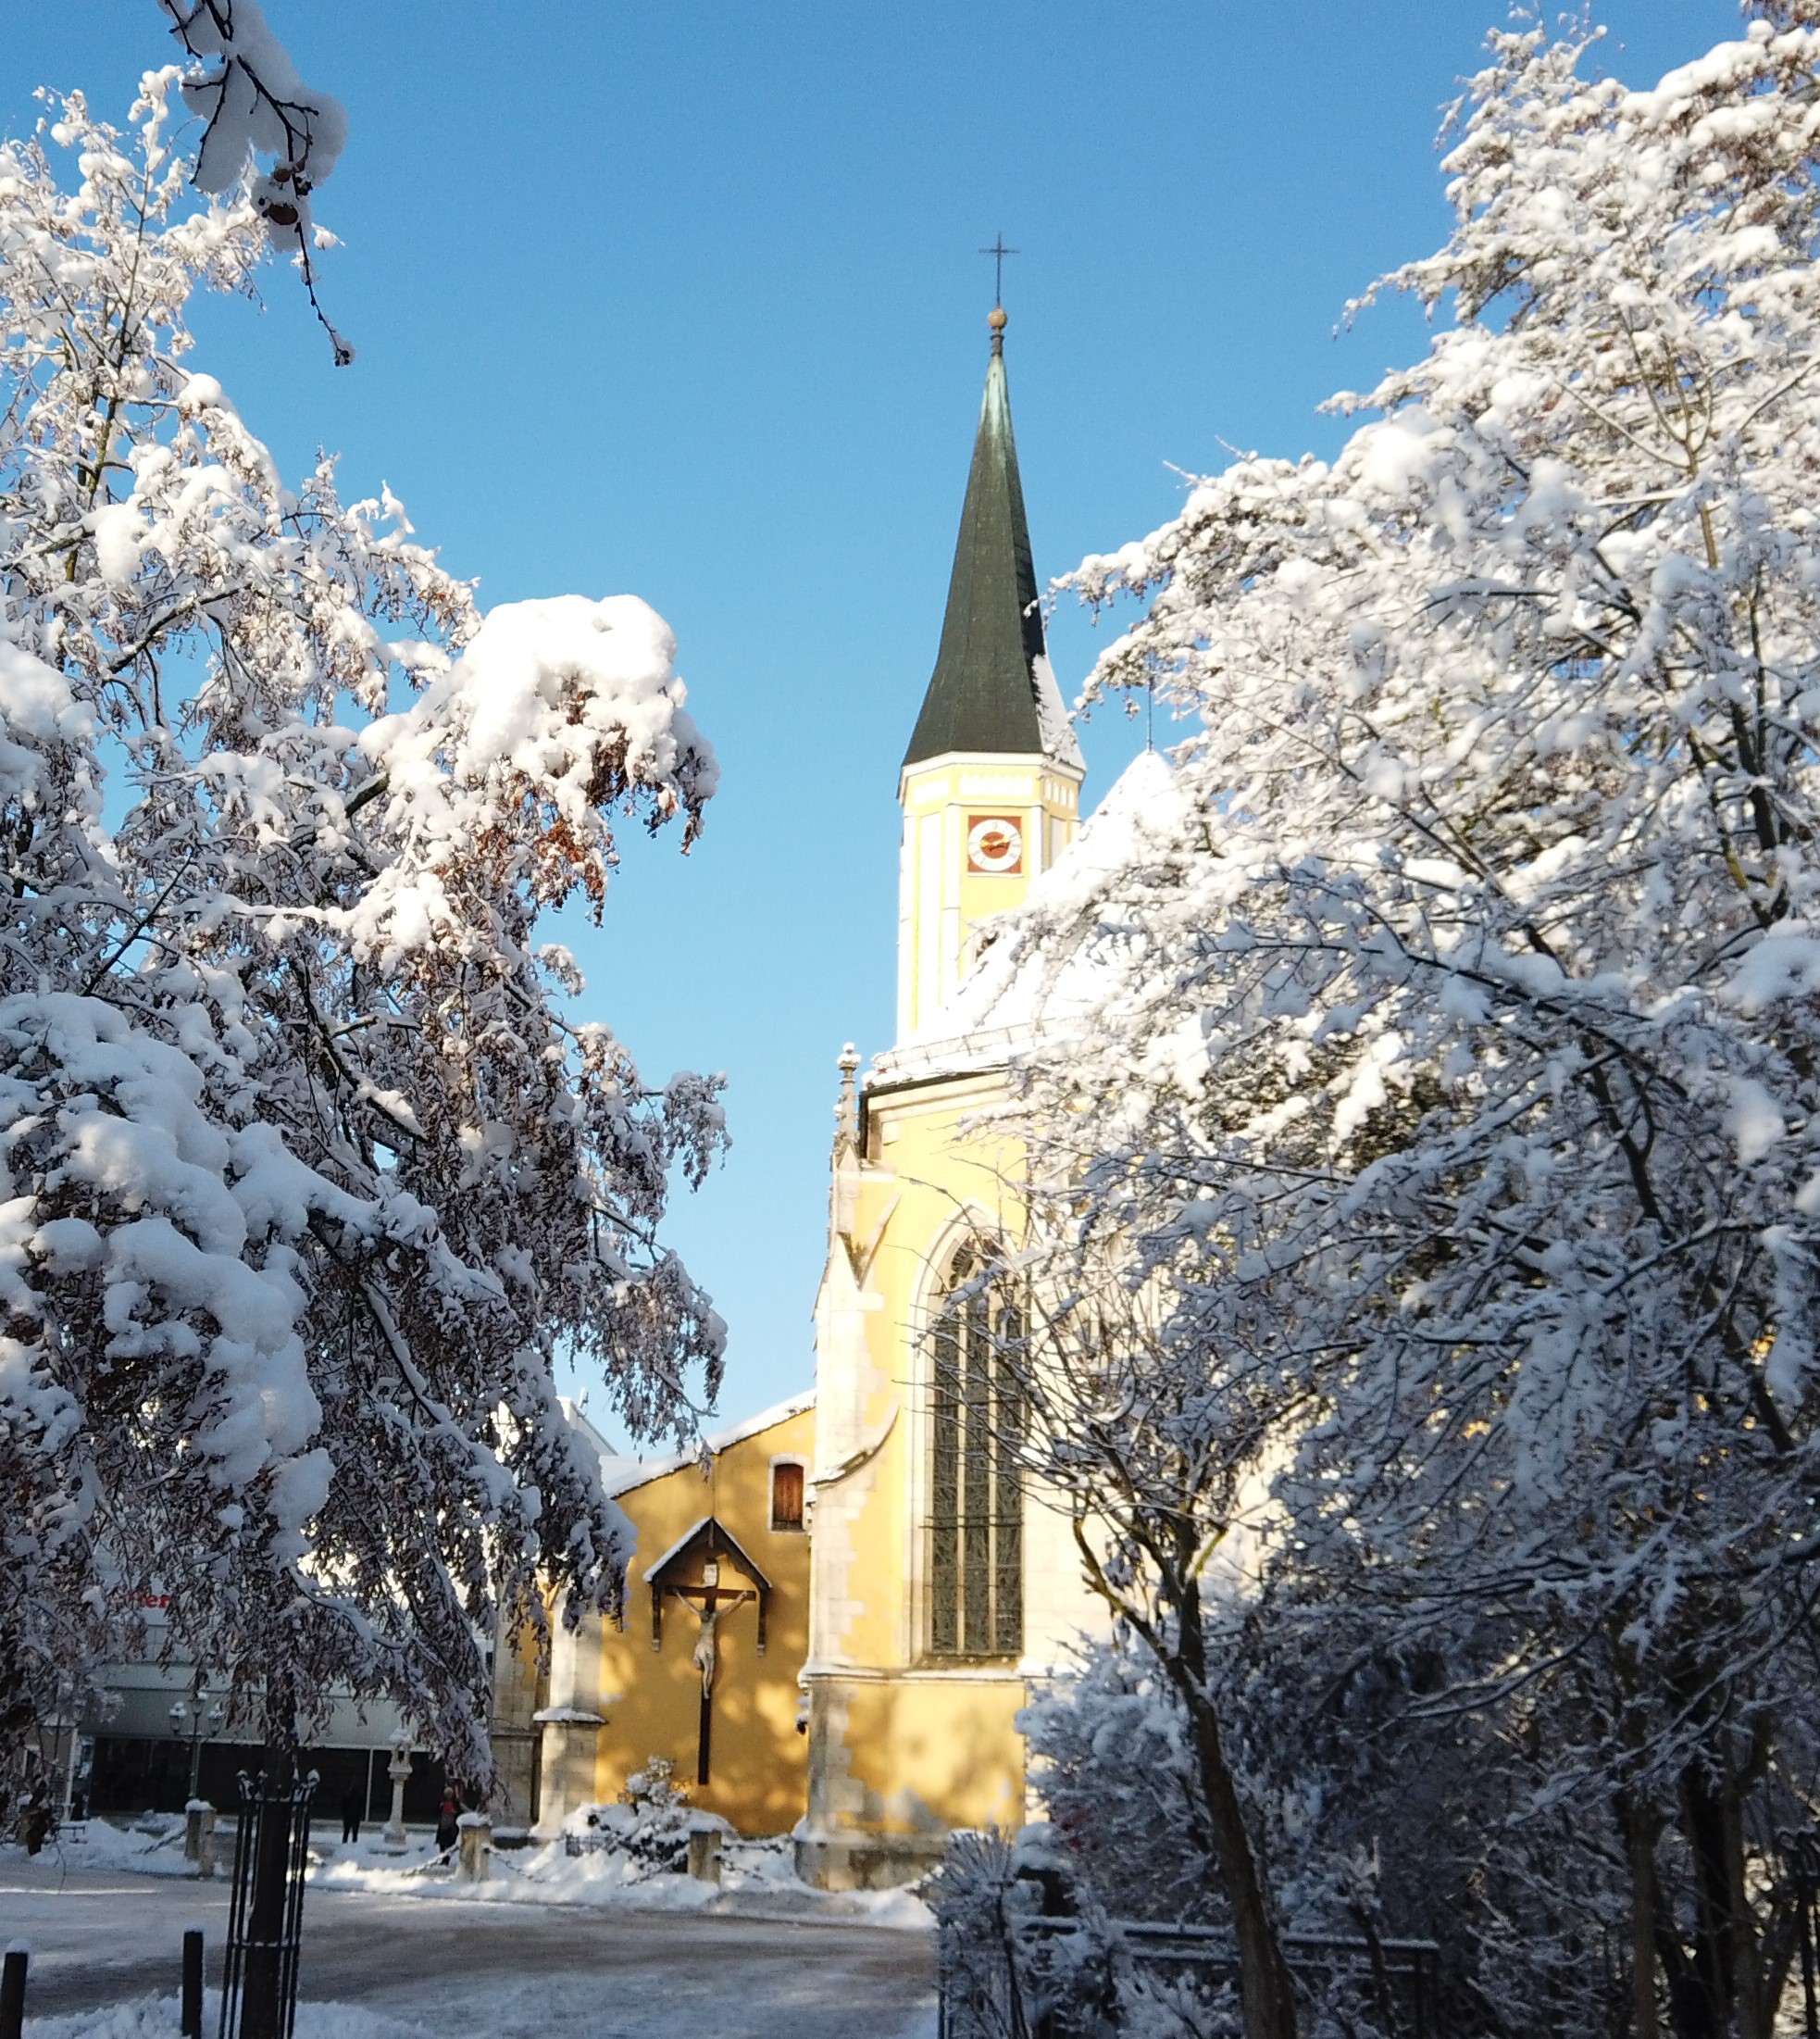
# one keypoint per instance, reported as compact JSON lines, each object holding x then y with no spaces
{"x":1064,"y":1978}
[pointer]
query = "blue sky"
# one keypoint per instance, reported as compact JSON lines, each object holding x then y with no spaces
{"x":683,"y":301}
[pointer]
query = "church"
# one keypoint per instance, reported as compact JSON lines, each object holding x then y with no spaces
{"x":832,"y":1619}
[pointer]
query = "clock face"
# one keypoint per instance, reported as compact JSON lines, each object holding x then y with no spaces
{"x":994,"y":845}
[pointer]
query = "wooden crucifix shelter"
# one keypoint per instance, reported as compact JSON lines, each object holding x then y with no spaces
{"x":693,"y":1570}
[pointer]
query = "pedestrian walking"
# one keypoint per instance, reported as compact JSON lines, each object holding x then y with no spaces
{"x":448,"y":1823}
{"x":39,"y":1821}
{"x":352,"y":1805}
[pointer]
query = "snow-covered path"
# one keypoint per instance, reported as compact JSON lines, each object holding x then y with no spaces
{"x":519,"y":1971}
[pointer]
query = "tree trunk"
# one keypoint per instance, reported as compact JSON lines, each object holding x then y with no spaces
{"x":261,"y":2006}
{"x":1266,"y":1994}
{"x":1704,"y":1820}
{"x":1639,"y":1834}
{"x":1755,"y":2017}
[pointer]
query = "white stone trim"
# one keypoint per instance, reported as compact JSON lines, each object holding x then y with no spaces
{"x":1054,"y":766}
{"x":984,"y":1672}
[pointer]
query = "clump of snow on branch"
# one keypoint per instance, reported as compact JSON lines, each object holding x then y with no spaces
{"x":555,"y":712}
{"x":253,"y":104}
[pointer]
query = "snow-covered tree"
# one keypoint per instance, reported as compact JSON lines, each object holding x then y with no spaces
{"x":309,"y":1176}
{"x":1157,"y":1463}
{"x":1453,"y":1059}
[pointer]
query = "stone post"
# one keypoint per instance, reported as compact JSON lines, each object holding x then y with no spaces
{"x":398,"y":1770}
{"x":199,"y":1835}
{"x":476,"y":1847}
{"x":705,"y":1837}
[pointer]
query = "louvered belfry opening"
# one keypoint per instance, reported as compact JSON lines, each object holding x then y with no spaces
{"x":976,"y":1516}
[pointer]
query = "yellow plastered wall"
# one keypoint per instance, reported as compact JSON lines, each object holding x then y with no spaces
{"x":652,"y":1698}
{"x":938,"y":1189}
{"x":932,"y":1756}
{"x":907,"y":1744}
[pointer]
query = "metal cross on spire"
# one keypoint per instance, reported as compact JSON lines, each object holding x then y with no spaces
{"x":998,"y":250}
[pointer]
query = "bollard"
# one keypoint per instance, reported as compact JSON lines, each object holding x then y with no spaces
{"x":193,"y":1982}
{"x":704,"y":1837}
{"x":476,"y":1847}
{"x":199,"y":1835}
{"x":12,"y":1992}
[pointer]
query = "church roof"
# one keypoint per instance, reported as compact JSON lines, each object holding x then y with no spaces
{"x":993,"y":689}
{"x":621,"y":1473}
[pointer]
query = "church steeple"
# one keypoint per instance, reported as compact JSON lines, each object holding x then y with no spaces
{"x":990,"y":783}
{"x":992,"y":691}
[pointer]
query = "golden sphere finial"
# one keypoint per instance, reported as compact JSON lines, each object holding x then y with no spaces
{"x":996,"y":318}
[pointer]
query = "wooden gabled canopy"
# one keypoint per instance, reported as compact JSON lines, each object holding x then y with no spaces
{"x":709,"y":1539}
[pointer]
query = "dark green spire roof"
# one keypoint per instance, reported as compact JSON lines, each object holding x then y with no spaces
{"x":991,"y":689}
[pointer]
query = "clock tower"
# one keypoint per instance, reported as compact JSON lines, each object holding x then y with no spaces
{"x":990,"y":783}
{"x":938,"y":1589}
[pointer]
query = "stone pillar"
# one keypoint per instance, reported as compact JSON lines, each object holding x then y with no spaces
{"x":476,"y":1847}
{"x":199,"y":1835}
{"x":706,"y":1832}
{"x":398,"y":1770}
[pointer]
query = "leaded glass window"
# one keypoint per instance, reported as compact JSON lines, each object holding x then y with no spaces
{"x":975,"y":1514}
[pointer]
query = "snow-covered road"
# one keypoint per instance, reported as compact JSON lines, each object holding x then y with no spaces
{"x":519,"y":1971}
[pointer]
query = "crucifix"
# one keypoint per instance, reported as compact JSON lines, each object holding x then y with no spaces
{"x":998,"y":250}
{"x":711,"y":1603}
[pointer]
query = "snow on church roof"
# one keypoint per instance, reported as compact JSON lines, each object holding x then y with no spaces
{"x":620,"y":1473}
{"x":1011,"y":995}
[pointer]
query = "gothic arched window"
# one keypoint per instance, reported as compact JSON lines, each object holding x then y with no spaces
{"x":976,"y":1515}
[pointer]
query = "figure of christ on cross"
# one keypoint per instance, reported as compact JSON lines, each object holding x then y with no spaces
{"x":712,"y":1603}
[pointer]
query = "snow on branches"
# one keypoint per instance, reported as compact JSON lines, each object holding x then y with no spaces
{"x":1455,"y":1063}
{"x":254,"y":103}
{"x":308,"y":1178}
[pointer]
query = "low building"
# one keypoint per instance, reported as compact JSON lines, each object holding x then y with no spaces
{"x":152,"y":1738}
{"x":702,"y":1667}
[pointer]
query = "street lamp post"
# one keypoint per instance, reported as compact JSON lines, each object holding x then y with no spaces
{"x":180,"y":1713}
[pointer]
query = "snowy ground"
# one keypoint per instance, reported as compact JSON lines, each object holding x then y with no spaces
{"x":577,"y":1959}
{"x":758,"y":1881}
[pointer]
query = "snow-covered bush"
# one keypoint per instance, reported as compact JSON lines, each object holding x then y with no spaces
{"x":1429,"y":1207}
{"x":1002,"y":1974}
{"x":308,"y":1174}
{"x":656,"y":1838}
{"x":1107,"y":1750}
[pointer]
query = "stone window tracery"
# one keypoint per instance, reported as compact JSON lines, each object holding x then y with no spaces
{"x":976,"y":1512}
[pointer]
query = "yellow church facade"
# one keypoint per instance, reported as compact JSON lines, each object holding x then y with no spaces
{"x":927,"y":1584}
